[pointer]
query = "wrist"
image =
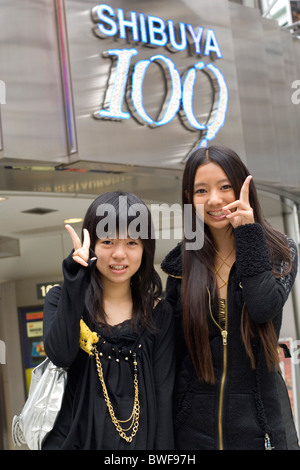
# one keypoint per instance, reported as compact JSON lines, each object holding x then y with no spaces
{"x":252,"y":256}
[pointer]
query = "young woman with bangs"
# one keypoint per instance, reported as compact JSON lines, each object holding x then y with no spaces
{"x":228,"y":299}
{"x":109,"y":327}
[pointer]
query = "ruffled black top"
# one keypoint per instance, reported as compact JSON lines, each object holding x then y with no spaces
{"x":84,"y":421}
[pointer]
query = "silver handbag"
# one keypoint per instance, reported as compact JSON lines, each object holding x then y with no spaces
{"x":42,"y":406}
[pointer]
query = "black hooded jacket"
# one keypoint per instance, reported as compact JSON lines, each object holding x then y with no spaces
{"x":244,"y":406}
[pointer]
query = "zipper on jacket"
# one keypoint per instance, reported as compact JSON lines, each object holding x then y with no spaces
{"x":224,"y":333}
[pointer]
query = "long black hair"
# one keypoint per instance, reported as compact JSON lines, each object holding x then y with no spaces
{"x":145,"y":283}
{"x":198,"y":265}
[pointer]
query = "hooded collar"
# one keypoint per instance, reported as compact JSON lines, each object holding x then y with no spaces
{"x":172,"y":264}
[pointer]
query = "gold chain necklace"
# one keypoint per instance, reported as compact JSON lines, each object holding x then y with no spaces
{"x":217,"y":270}
{"x":134,"y":417}
{"x":88,"y":341}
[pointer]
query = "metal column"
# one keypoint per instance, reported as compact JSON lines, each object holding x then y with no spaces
{"x":291,"y":226}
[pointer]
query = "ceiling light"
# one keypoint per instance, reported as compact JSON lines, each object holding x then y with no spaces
{"x":73,"y":221}
{"x":2,"y":198}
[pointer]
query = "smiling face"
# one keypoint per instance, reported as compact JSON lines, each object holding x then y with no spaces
{"x":118,"y":259}
{"x":213,"y":189}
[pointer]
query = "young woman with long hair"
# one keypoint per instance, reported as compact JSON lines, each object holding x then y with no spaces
{"x":228,"y":298}
{"x":109,"y":327}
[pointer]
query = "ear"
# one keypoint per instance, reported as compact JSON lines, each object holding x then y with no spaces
{"x":187,"y":196}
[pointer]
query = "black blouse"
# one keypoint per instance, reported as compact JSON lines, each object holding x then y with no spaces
{"x":84,"y":421}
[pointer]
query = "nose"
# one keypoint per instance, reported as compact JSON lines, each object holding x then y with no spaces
{"x":119,"y":251}
{"x":215,"y":198}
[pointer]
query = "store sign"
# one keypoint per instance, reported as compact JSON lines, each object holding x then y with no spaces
{"x":127,"y":73}
{"x":43,"y":289}
{"x":31,"y":326}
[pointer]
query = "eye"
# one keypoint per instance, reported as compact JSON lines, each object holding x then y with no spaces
{"x":225,"y":187}
{"x":133,"y":242}
{"x":106,"y":242}
{"x":200,"y":191}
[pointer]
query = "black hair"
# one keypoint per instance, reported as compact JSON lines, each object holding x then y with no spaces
{"x":198,"y":264}
{"x":114,"y":209}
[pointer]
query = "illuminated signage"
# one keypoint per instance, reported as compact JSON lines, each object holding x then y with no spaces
{"x":126,"y":80}
{"x":152,"y":30}
{"x":43,"y":289}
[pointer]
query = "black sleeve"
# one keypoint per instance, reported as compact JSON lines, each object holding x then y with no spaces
{"x":164,"y":375}
{"x":173,"y":296}
{"x":173,"y":293}
{"x":264,"y":294}
{"x":64,"y":306}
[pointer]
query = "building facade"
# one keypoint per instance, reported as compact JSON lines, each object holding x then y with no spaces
{"x":115,"y":95}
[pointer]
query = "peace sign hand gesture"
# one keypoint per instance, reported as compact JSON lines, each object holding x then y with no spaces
{"x":81,"y":253}
{"x":242,"y":211}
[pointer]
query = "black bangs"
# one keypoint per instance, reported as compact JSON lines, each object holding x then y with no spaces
{"x":118,"y":215}
{"x":124,"y":217}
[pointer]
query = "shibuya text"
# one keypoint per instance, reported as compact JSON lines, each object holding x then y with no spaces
{"x":127,"y":80}
{"x":153,"y":30}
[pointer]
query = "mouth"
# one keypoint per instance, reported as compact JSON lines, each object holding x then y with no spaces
{"x":218,"y":214}
{"x":118,"y":267}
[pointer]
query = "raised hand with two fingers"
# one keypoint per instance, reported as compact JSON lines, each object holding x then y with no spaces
{"x":240,"y":212}
{"x":81,"y":252}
